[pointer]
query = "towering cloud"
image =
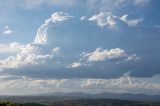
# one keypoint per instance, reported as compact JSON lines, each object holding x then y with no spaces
{"x":41,"y":37}
{"x":69,"y":47}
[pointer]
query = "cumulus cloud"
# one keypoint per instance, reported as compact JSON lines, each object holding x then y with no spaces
{"x":27,"y":85}
{"x":100,"y":55}
{"x":104,"y":18}
{"x":33,"y":53}
{"x":62,"y":38}
{"x":60,"y":16}
{"x":41,"y":37}
{"x":29,"y":54}
{"x":124,"y":84}
{"x":13,"y":47}
{"x":108,"y":19}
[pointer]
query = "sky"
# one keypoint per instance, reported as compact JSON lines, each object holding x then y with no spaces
{"x":88,"y":46}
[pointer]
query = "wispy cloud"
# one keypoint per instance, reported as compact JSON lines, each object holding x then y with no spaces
{"x":7,"y":30}
{"x":133,"y":22}
{"x":115,"y":5}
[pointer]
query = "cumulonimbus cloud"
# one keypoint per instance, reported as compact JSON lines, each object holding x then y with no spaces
{"x":68,"y":47}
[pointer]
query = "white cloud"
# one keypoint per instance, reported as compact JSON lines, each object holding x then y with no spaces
{"x":83,"y":18}
{"x":141,"y":2}
{"x":102,"y":55}
{"x":156,"y":26}
{"x":7,"y":30}
{"x":124,"y":17}
{"x":32,"y":53}
{"x":33,"y":4}
{"x":124,"y":84}
{"x":13,"y":47}
{"x":29,"y":55}
{"x":60,"y":16}
{"x":6,"y":27}
{"x":41,"y":37}
{"x":110,"y":20}
{"x":133,"y":22}
{"x":56,"y":50}
{"x":133,"y":57}
{"x":43,"y":51}
{"x":115,"y":5}
{"x":27,"y":85}
{"x":74,"y":65}
{"x":100,"y":4}
{"x":104,"y":18}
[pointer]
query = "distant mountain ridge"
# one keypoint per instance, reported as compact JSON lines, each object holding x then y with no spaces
{"x":61,"y":96}
{"x":123,"y":96}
